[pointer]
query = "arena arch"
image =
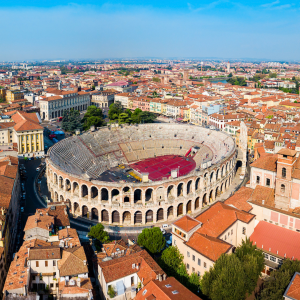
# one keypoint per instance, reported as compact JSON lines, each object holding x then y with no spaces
{"x":149,"y":216}
{"x":160,"y":193}
{"x":55,"y":197}
{"x":197,"y":184}
{"x":197,"y":203}
{"x":126,"y":217}
{"x":138,"y":217}
{"x":126,"y":189}
{"x":217,"y":174}
{"x":170,"y":212}
{"x":75,"y":189}
{"x":115,"y":217}
{"x":76,"y":208}
{"x":84,"y":191}
{"x":94,"y":192}
{"x":171,"y":192}
{"x":104,"y":194}
{"x":211,"y":176}
{"x":189,"y":187}
{"x":149,"y":194}
{"x":189,"y":207}
{"x":60,"y":182}
{"x":160,"y":215}
{"x":55,"y":179}
{"x":85,"y":211}
{"x":114,"y":194}
{"x":179,"y":209}
{"x":204,"y":200}
{"x":68,"y":203}
{"x":211,"y":196}
{"x":95,"y":215}
{"x":68,"y":185}
{"x":104,"y":216}
{"x":61,"y":198}
{"x":137,"y":195}
{"x":180,"y":189}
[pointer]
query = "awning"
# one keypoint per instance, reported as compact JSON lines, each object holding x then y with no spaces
{"x":120,"y":287}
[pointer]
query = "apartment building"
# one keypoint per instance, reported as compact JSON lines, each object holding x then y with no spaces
{"x":202,"y":240}
{"x":58,"y":101}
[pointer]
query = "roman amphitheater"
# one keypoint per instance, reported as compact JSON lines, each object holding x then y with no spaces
{"x":141,"y":174}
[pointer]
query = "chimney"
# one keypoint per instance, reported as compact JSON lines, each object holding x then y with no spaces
{"x":159,"y":277}
{"x":65,"y":210}
{"x":164,"y":276}
{"x":78,"y":282}
{"x":36,"y":220}
{"x":71,"y":245}
{"x":84,"y":262}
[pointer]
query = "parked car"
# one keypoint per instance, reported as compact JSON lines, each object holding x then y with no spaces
{"x":38,"y":168}
{"x":22,"y":209}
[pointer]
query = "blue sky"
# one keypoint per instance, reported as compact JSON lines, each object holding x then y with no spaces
{"x":93,"y":29}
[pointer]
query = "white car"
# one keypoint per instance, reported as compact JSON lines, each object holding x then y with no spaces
{"x":38,"y":168}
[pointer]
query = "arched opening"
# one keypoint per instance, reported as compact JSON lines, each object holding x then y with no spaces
{"x":68,"y":203}
{"x":55,"y":197}
{"x":170,"y":212}
{"x":149,"y":216}
{"x":104,"y":215}
{"x":160,"y":215}
{"x":84,"y":191}
{"x":60,"y":182}
{"x":197,"y":203}
{"x":138,"y":218}
{"x":95,"y":215}
{"x":170,"y":192}
{"x":179,"y":209}
{"x":94,"y":192}
{"x":126,"y":189}
{"x":282,"y":188}
{"x":283,"y":172}
{"x":226,"y":184}
{"x":211,"y":195}
{"x":238,"y":165}
{"x":115,"y":217}
{"x":104,"y":194}
{"x":217,"y":174}
{"x":126,"y":217}
{"x":204,"y":201}
{"x":76,"y":208}
{"x":160,"y":194}
{"x":61,"y":198}
{"x":137,"y":195}
{"x":149,"y":195}
{"x":189,"y":207}
{"x":197,"y":184}
{"x":211,"y":176}
{"x":222,"y":172}
{"x":114,"y":194}
{"x":180,"y":190}
{"x":75,"y":189}
{"x":189,"y":187}
{"x":85,"y":211}
{"x":126,"y":199}
{"x":55,"y":179}
{"x":68,"y":185}
{"x":217,"y":193}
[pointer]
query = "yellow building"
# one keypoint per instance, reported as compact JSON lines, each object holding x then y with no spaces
{"x":13,"y":95}
{"x":186,"y":114}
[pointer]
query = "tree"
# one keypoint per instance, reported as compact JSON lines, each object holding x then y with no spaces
{"x":272,"y":75}
{"x":152,"y":239}
{"x":230,"y":75}
{"x":135,"y":117}
{"x":71,"y":121}
{"x":182,"y":274}
{"x":114,"y":110}
{"x":124,"y":118}
{"x":194,"y":282}
{"x":155,"y":79}
{"x":147,"y":117}
{"x":279,"y":280}
{"x":128,"y":112}
{"x":171,"y":259}
{"x":225,"y":280}
{"x":97,"y":232}
{"x":93,"y":117}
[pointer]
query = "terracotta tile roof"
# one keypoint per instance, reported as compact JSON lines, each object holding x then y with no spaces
{"x":293,"y":290}
{"x":26,"y":121}
{"x":186,"y":223}
{"x":156,"y":289}
{"x":288,"y":152}
{"x":263,"y":193}
{"x":73,"y":262}
{"x":39,"y":220}
{"x":122,"y":267}
{"x":41,"y":253}
{"x":60,"y":214}
{"x":240,"y":198}
{"x":267,"y":162}
{"x":67,"y":289}
{"x":277,"y":240}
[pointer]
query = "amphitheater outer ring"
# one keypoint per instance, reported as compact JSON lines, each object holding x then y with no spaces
{"x":204,"y":186}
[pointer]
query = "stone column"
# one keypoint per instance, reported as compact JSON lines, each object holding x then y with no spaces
{"x":143,"y":218}
{"x":143,"y":192}
{"x":25,"y":144}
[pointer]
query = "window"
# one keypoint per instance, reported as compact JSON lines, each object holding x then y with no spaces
{"x":174,"y":242}
{"x":198,"y":273}
{"x":231,"y":231}
{"x":194,"y":258}
{"x":268,"y":182}
{"x":283,"y":172}
{"x":188,"y":266}
{"x":204,"y":265}
{"x":244,"y":230}
{"x":225,"y":237}
{"x":37,"y":264}
{"x":266,"y":256}
{"x":272,"y":258}
{"x":144,"y":292}
{"x":54,"y":263}
{"x":282,"y":188}
{"x":257,"y":179}
{"x":46,"y":263}
{"x":188,"y":254}
{"x":280,"y":261}
{"x":199,"y":262}
{"x":193,"y":270}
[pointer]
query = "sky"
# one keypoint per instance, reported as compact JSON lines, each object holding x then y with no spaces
{"x":90,"y":29}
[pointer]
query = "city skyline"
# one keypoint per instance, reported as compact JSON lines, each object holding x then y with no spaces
{"x":163,"y":29}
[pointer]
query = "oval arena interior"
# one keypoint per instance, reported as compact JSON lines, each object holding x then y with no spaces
{"x":141,"y":174}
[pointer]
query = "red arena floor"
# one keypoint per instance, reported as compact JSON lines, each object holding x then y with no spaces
{"x":159,"y":167}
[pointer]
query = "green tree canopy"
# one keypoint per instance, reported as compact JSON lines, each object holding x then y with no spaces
{"x":124,"y":118}
{"x":171,"y":259}
{"x":147,"y":117}
{"x":93,"y":116}
{"x":97,"y":232}
{"x":71,"y":121}
{"x":273,"y":75}
{"x":275,"y":287}
{"x":114,"y":110}
{"x":152,"y":239}
{"x":155,"y":79}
